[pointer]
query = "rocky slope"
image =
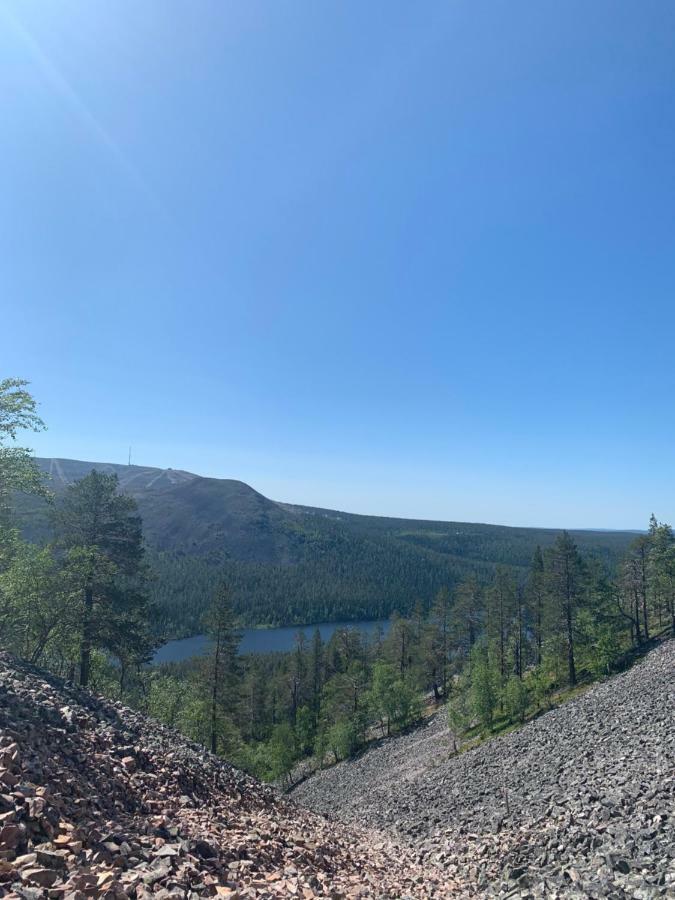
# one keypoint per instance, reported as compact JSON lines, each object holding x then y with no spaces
{"x":97,"y":801}
{"x":578,"y":803}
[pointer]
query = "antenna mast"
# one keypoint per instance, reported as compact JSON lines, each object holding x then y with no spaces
{"x":129,"y":462}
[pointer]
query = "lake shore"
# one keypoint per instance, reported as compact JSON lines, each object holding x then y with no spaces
{"x":263,"y":639}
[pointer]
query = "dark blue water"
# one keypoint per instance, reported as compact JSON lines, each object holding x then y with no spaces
{"x":262,"y":640}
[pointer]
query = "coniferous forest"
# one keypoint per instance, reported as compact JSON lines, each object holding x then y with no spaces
{"x":293,"y":565}
{"x":496,"y":643}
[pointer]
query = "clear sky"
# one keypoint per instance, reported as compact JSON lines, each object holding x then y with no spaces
{"x":401,"y":258}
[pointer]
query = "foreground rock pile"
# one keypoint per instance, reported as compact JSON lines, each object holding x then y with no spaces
{"x":578,"y":803}
{"x":98,"y":802}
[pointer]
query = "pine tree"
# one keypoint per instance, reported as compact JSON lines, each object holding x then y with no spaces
{"x":641,"y":550}
{"x":102,"y":531}
{"x":629,"y":595}
{"x":440,"y":619}
{"x":466,"y":616}
{"x":536,"y":597}
{"x":316,"y":673}
{"x":662,"y":567}
{"x":221,"y":664}
{"x":298,"y":675}
{"x":501,"y":602}
{"x":566,"y":593}
{"x":399,"y":643}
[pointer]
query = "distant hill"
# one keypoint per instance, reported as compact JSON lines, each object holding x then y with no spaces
{"x":185,"y":513}
{"x":289,"y":564}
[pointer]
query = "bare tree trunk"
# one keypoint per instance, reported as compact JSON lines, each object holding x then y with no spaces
{"x":571,"y":667}
{"x":638,"y":633}
{"x":294,"y":700}
{"x":519,"y":648}
{"x":539,"y":639}
{"x":214,"y":696}
{"x":85,"y":647}
{"x":37,"y":653}
{"x":569,"y":617}
{"x":643,"y":578}
{"x":402,"y":661}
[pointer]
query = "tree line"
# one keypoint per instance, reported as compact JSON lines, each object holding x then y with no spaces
{"x":518,"y":641}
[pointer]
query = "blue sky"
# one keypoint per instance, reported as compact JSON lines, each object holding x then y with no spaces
{"x":407,"y":259}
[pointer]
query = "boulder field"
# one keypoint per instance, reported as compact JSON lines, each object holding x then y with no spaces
{"x":97,"y":801}
{"x":580,"y":802}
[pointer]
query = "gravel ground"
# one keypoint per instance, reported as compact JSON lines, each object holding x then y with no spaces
{"x":578,"y":803}
{"x":97,"y":801}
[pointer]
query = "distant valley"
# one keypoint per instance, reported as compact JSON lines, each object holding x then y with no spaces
{"x":288,"y":564}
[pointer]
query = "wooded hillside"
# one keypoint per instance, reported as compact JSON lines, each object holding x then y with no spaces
{"x":289,"y":564}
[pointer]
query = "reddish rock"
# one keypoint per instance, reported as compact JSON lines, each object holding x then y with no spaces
{"x":185,"y":825}
{"x":43,"y":877}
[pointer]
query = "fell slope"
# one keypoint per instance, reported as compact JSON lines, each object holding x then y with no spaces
{"x":192,"y":514}
{"x":289,"y":564}
{"x":580,"y":802}
{"x":97,"y":801}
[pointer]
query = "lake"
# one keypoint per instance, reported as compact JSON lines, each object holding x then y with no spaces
{"x":263,"y":640}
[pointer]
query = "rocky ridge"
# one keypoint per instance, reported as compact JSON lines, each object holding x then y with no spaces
{"x":96,"y":801}
{"x":578,"y":803}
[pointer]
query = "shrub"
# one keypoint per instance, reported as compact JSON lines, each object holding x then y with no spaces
{"x":516,"y":698}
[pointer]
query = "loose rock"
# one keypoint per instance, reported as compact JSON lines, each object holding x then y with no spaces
{"x":578,"y":803}
{"x":101,"y":802}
